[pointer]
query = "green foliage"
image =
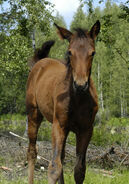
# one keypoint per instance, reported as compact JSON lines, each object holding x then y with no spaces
{"x":2,"y":160}
{"x":114,"y":131}
{"x":62,"y":44}
{"x":71,"y":139}
{"x":13,"y":122}
{"x":110,"y":69}
{"x":12,"y":117}
{"x":17,"y":24}
{"x":13,"y":74}
{"x":17,"y":127}
{"x":78,"y":19}
{"x":45,"y":131}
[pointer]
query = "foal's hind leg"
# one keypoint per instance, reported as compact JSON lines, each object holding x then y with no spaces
{"x":82,"y":141}
{"x":34,"y":121}
{"x":61,"y":178}
{"x":55,"y":171}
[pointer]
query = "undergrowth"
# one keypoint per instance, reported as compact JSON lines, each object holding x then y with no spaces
{"x":114,"y":131}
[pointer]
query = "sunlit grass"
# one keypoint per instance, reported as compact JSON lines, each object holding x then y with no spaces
{"x":91,"y":178}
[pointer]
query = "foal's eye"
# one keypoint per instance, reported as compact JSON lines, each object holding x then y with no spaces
{"x":69,"y":53}
{"x":93,"y":53}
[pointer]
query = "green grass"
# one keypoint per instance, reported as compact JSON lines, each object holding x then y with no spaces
{"x":12,"y":122}
{"x":91,"y":178}
{"x":114,"y":131}
{"x":12,"y":117}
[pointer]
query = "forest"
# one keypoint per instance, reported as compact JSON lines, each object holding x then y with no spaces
{"x":24,"y":26}
{"x":27,"y":22}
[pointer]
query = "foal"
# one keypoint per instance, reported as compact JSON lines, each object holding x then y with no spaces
{"x":65,"y":95}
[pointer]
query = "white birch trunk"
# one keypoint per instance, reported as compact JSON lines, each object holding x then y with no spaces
{"x":101,"y":97}
{"x":121,"y":103}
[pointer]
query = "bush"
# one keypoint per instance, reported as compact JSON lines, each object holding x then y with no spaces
{"x":113,"y":131}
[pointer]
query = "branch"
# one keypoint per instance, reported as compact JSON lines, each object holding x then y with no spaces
{"x":38,"y":156}
{"x":121,"y":55}
{"x":18,"y":136}
{"x":5,"y":168}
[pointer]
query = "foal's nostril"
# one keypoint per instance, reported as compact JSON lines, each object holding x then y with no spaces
{"x":86,"y":85}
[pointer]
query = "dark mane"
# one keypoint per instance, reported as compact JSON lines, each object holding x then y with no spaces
{"x":81,"y":33}
{"x":67,"y":59}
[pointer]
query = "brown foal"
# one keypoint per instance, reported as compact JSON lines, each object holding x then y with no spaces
{"x":65,"y":95}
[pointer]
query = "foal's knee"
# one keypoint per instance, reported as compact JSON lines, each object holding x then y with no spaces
{"x":54,"y":172}
{"x":79,"y":173}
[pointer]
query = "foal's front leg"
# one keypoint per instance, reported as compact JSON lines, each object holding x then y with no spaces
{"x":55,"y":170}
{"x":82,"y":141}
{"x":61,"y":178}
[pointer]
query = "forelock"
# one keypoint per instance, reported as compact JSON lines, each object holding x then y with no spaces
{"x":81,"y":33}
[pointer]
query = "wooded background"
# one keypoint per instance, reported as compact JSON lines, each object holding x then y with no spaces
{"x":27,"y":24}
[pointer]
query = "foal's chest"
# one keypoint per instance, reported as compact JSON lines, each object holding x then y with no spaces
{"x":81,"y":113}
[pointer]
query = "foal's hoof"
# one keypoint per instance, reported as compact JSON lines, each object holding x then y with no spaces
{"x":54,"y":172}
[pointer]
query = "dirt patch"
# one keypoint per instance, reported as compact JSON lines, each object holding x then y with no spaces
{"x":13,"y":160}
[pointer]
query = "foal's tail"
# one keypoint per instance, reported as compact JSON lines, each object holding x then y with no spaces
{"x":41,"y":53}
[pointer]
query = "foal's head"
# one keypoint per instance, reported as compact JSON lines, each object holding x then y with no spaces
{"x":81,"y":51}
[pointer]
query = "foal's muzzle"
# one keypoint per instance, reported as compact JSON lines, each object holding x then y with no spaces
{"x":80,"y":88}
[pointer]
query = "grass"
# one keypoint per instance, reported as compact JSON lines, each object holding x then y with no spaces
{"x":114,"y":131}
{"x":12,"y":122}
{"x":12,"y":117}
{"x":118,"y":178}
{"x":91,"y":178}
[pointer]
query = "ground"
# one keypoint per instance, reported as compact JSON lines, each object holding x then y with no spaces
{"x":100,"y":161}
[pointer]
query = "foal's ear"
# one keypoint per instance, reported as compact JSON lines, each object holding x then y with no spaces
{"x":95,"y":30}
{"x":63,"y":33}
